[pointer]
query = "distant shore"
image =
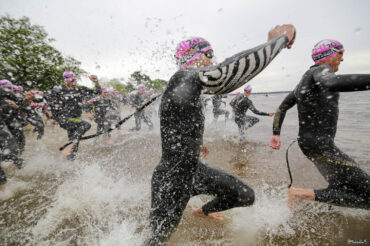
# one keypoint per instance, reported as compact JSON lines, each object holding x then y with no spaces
{"x":271,"y":92}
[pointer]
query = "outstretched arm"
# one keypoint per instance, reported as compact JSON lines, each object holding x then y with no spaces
{"x":89,"y":92}
{"x":342,"y":83}
{"x":256,"y":111}
{"x":242,"y":67}
{"x":280,"y":113}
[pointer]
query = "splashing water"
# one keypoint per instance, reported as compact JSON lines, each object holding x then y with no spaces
{"x":103,"y":198}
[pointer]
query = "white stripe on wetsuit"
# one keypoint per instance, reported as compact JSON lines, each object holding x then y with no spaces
{"x":239,"y":69}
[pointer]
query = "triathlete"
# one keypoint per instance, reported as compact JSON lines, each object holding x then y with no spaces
{"x":137,"y":100}
{"x":217,"y":111}
{"x":180,"y":174}
{"x":10,"y":148}
{"x":100,"y":107}
{"x":240,"y":108}
{"x":316,"y":97}
{"x":71,"y":99}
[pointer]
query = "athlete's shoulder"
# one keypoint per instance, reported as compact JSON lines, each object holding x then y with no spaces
{"x":187,"y":77}
{"x":62,"y":91}
{"x":83,"y":88}
{"x":323,"y":69}
{"x":246,"y":99}
{"x":185,"y":73}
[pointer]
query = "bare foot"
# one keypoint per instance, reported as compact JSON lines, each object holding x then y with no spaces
{"x":68,"y":149}
{"x":296,"y":195}
{"x":3,"y":187}
{"x":217,"y":216}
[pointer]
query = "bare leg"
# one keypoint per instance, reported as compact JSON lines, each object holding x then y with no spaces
{"x":296,"y":195}
{"x":68,"y":149}
{"x":3,"y":186}
{"x":217,"y":216}
{"x":110,"y":141}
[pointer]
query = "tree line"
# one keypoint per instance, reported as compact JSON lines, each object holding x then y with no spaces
{"x":27,"y":58}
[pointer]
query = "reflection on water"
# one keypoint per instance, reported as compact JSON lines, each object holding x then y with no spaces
{"x":103,"y":198}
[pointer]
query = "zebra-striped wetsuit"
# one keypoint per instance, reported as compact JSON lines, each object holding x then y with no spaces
{"x":180,"y":174}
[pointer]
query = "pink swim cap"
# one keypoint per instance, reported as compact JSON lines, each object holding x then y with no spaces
{"x":5,"y":83}
{"x":247,"y":89}
{"x":57,"y":87}
{"x":68,"y":76}
{"x":18,"y":88}
{"x":190,"y":49}
{"x":141,"y":86}
{"x":325,"y":49}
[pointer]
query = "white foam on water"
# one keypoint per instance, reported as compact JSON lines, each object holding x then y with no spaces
{"x":268,"y":215}
{"x":270,"y":219}
{"x":91,"y":205}
{"x":45,"y":164}
{"x":122,"y":234}
{"x":12,"y":188}
{"x":95,"y":200}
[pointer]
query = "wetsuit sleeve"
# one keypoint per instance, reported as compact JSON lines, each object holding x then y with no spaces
{"x":280,"y":113}
{"x":240,"y":68}
{"x":134,"y":101}
{"x":111,"y":104}
{"x":254,"y":110}
{"x":342,"y":83}
{"x":137,"y":101}
{"x":233,"y":102}
{"x":90,"y":92}
{"x":90,"y":108}
{"x":7,"y":95}
{"x":46,"y":112}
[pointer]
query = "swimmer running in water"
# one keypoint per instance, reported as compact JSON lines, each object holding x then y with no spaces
{"x":217,"y":111}
{"x":9,"y":109}
{"x":70,"y":99}
{"x":99,"y":110}
{"x":180,"y":174}
{"x":137,"y":101}
{"x":241,"y":107}
{"x":316,"y":97}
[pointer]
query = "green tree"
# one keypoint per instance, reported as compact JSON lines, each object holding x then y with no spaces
{"x":28,"y":59}
{"x":130,"y":87}
{"x":158,"y":84}
{"x":117,"y":85}
{"x":140,"y":78}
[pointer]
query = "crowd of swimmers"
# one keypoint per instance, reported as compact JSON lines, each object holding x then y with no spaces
{"x":63,"y":106}
{"x":181,"y":173}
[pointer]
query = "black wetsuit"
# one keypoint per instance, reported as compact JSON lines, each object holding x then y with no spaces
{"x":114,"y":114}
{"x":217,"y":111}
{"x":9,"y":144}
{"x":316,"y":97}
{"x":137,"y":101}
{"x":101,"y":108}
{"x":180,"y":175}
{"x":71,"y":102}
{"x":54,"y":105}
{"x":241,"y":107}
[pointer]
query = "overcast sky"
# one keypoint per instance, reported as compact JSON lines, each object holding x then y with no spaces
{"x":113,"y":38}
